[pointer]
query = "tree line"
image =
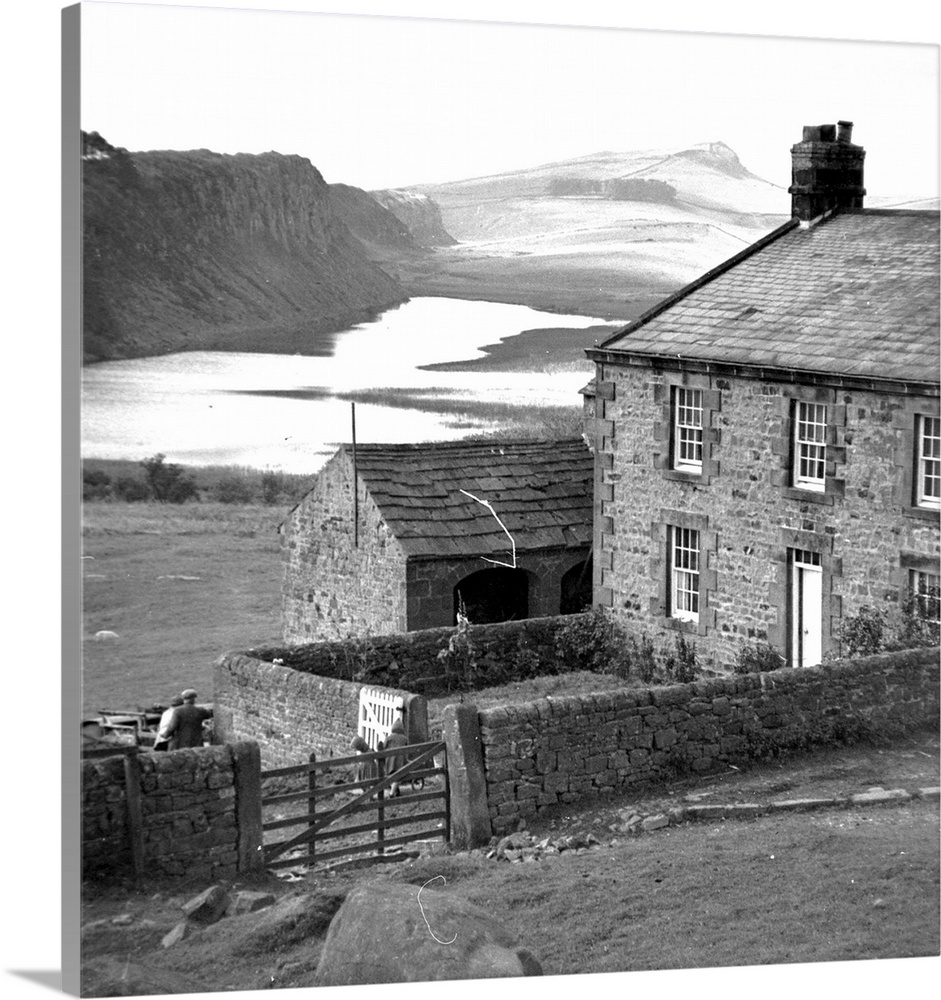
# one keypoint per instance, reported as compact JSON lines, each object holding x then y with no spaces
{"x":616,"y":189}
{"x":159,"y":481}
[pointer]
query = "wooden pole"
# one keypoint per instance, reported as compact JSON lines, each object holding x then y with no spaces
{"x":355,"y":482}
{"x":380,"y":816}
{"x":312,"y":801}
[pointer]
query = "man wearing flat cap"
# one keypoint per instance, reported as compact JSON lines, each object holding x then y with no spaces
{"x":185,"y":728}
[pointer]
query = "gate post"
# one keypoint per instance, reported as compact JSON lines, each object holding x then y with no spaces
{"x":246,"y":764}
{"x":470,"y":814}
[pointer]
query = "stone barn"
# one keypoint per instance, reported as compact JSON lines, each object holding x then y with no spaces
{"x":394,"y":538}
{"x":768,"y":439}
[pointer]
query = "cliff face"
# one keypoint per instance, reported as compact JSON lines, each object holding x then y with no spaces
{"x":420,"y":215}
{"x":199,"y":250}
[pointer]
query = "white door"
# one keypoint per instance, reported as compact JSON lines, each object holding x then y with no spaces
{"x":806,"y":609}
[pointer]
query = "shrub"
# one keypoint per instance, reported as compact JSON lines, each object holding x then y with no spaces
{"x":131,"y":489}
{"x":96,"y":485}
{"x":168,"y":483}
{"x":911,"y":625}
{"x":643,"y":659}
{"x":594,"y":641}
{"x":758,"y":659}
{"x":681,"y":667}
{"x":233,"y":488}
{"x":272,"y":487}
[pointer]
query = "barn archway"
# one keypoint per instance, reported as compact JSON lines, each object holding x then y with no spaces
{"x":575,"y":589}
{"x":493,"y":595}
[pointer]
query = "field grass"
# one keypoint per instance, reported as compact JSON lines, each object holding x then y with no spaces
{"x":809,"y":888}
{"x":180,"y":585}
{"x":787,"y":888}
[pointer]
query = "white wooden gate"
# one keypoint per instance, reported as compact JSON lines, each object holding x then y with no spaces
{"x":377,"y":711}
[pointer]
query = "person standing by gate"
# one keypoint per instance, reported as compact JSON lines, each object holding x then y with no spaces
{"x":397,"y":739}
{"x":185,"y":728}
{"x":162,"y":742}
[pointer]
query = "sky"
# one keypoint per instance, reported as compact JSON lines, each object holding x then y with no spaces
{"x":391,"y":101}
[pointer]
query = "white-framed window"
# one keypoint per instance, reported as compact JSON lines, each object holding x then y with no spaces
{"x":687,"y":429}
{"x":810,"y":446}
{"x":926,"y":592}
{"x":684,"y":574}
{"x":928,"y":463}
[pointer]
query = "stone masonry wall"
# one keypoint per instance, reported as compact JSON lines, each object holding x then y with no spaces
{"x":864,"y":527}
{"x":288,"y":713}
{"x":418,"y":661}
{"x":431,"y":584}
{"x":569,"y":749}
{"x":331,"y":587}
{"x":189,"y":813}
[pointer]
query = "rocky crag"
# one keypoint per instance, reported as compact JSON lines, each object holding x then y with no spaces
{"x":200,"y":250}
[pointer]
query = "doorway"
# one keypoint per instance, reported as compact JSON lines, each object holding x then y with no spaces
{"x":806,"y":573}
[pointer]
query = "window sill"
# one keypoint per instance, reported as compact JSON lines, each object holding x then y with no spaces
{"x":808,"y":496}
{"x":922,"y":513}
{"x":679,"y":476}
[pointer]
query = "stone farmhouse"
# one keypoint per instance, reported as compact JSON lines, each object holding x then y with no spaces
{"x":768,"y":439}
{"x":394,"y":538}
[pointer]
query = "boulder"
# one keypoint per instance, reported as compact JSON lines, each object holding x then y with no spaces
{"x":250,"y":902}
{"x":208,"y":906}
{"x":386,"y":932}
{"x":106,"y":976}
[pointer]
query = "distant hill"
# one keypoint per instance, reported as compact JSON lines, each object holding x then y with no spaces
{"x":605,"y":234}
{"x":187,"y":250}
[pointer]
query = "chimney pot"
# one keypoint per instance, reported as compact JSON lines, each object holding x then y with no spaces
{"x":811,"y":133}
{"x":846,"y":132}
{"x":828,"y":133}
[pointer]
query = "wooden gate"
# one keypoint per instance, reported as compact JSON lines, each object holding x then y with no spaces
{"x":352,"y":817}
{"x":378,"y":709}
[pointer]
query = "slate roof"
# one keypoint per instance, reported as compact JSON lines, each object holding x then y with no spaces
{"x":541,"y":490}
{"x":855,"y":295}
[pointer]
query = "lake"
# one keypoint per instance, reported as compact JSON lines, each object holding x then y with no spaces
{"x":290,"y":412}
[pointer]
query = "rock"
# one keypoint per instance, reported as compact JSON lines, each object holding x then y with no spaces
{"x":208,"y":906}
{"x":105,"y":976}
{"x":179,"y":933}
{"x":249,"y":902}
{"x":104,"y":635}
{"x":124,"y":918}
{"x":291,"y":920}
{"x":417,"y":934}
{"x":655,"y":822}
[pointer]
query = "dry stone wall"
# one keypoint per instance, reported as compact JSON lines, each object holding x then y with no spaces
{"x":195,"y":812}
{"x":419,"y":661}
{"x":575,"y":748}
{"x":287,"y":712}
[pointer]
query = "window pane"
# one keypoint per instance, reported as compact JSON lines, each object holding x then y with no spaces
{"x":810,"y":449}
{"x":685,"y":573}
{"x":687,"y":427}
{"x":929,"y":463}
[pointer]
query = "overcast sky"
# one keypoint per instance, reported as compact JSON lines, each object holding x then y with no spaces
{"x":391,"y":101}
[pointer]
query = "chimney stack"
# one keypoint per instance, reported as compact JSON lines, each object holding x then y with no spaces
{"x":826,"y":171}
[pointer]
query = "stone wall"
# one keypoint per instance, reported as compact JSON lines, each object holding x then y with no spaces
{"x":190,"y":813}
{"x":290,"y":713}
{"x":431,"y":584}
{"x":863,"y":526}
{"x":575,"y":748}
{"x":419,"y":661}
{"x":331,"y":587}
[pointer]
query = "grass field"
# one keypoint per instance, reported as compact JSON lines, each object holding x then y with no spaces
{"x":787,"y":888}
{"x":180,"y":585}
